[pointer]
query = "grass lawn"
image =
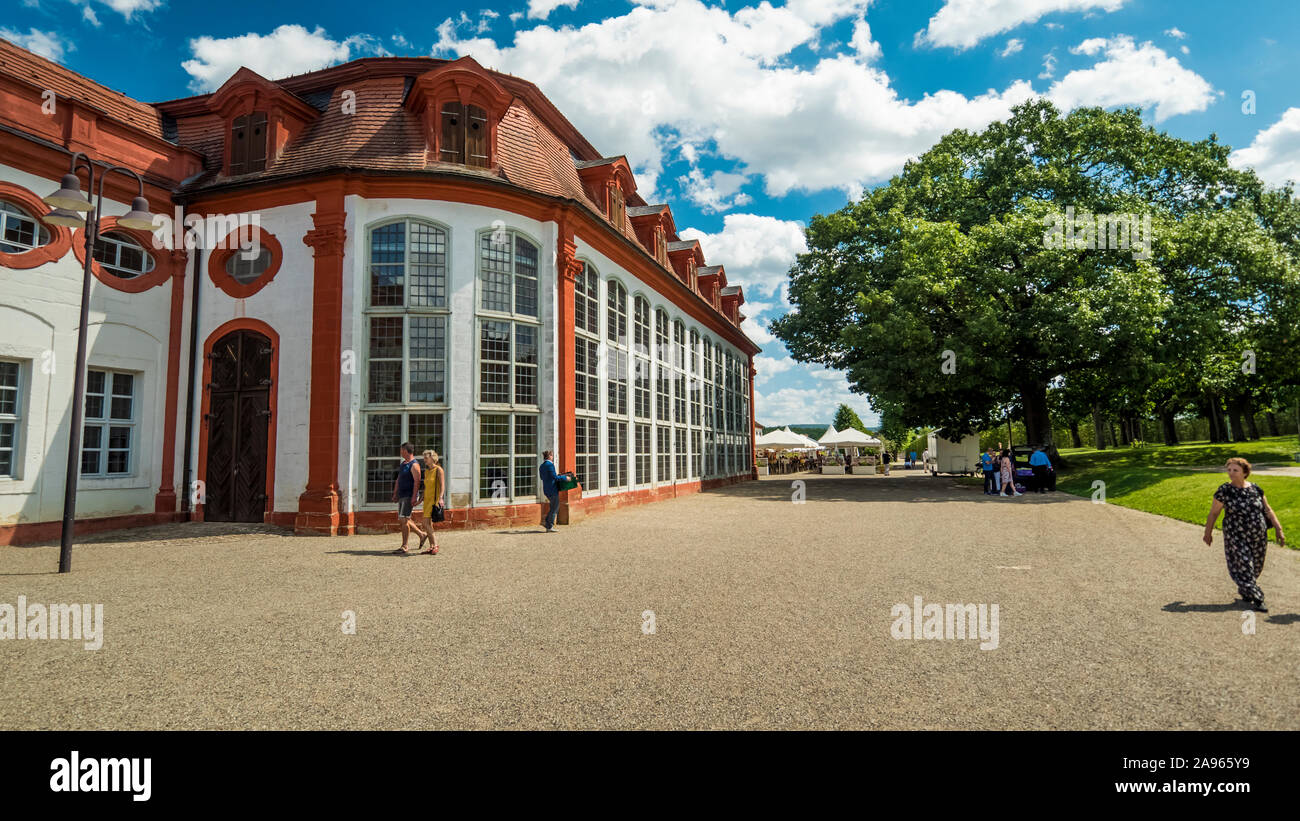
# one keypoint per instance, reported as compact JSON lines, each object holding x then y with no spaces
{"x":1149,"y":479}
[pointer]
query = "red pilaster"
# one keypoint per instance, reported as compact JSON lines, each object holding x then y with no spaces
{"x":165,"y":500}
{"x":318,"y":506}
{"x":753,"y":454}
{"x":567,"y":268}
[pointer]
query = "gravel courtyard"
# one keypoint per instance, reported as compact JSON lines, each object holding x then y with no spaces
{"x":767,"y":614}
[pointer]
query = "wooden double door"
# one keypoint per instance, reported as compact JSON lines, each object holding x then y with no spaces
{"x":239,"y":420}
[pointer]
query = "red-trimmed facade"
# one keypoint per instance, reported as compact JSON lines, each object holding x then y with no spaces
{"x":320,"y":211}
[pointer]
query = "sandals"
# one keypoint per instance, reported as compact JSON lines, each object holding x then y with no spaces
{"x":423,"y":539}
{"x":432,"y":551}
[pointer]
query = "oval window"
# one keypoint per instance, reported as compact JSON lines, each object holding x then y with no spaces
{"x":245,"y":267}
{"x":19,"y":230}
{"x":122,"y":256}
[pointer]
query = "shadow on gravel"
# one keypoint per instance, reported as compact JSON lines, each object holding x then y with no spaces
{"x":1183,"y":607}
{"x":174,"y":531}
{"x":385,"y":552}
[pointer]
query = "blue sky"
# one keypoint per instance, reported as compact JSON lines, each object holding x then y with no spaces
{"x":748,"y":117}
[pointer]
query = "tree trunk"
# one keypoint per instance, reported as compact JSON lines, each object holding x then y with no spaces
{"x":1123,"y":430}
{"x":1170,"y":429}
{"x":1098,"y":431}
{"x":1248,"y":407}
{"x":1270,"y":420}
{"x":1114,"y":438}
{"x":1038,"y":422}
{"x":1075,"y":440}
{"x":1234,"y":418}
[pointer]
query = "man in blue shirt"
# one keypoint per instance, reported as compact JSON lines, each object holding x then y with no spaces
{"x":992,"y":482}
{"x":552,"y":493}
{"x":1039,"y":464}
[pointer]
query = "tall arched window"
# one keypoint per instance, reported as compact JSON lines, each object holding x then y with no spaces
{"x":404,"y":396}
{"x":616,"y":376}
{"x":706,"y":386}
{"x":641,"y":362}
{"x":694,"y":389}
{"x":586,"y":358}
{"x":508,"y":342}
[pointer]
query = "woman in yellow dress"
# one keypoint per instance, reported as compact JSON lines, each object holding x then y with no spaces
{"x":435,"y":488}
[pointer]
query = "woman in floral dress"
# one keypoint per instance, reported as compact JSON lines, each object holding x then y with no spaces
{"x":1245,"y":530}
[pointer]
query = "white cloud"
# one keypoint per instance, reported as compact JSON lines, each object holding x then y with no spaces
{"x":1132,"y":74}
{"x":288,"y":50}
{"x":48,"y":44}
{"x":962,"y":24}
{"x":861,"y":42}
{"x":1185,"y":49}
{"x":766,"y":367}
{"x":1275,"y":151}
{"x":794,"y":406}
{"x":756,"y":250}
{"x":756,"y":329}
{"x":1049,"y":66}
{"x":716,"y":192}
{"x":1014,"y":46}
{"x":541,"y":9}
{"x":673,"y":71}
{"x":1175,"y":33}
{"x":128,"y":8}
{"x":88,"y":14}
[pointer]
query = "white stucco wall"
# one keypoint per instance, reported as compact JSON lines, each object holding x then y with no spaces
{"x":39,"y":318}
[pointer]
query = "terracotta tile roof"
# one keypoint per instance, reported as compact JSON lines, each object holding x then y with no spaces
{"x":645,"y":210}
{"x":707,"y":270}
{"x":683,"y":244}
{"x":47,"y":74}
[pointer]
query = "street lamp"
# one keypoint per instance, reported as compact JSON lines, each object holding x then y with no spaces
{"x":68,"y":205}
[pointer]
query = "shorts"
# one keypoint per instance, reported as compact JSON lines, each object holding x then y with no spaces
{"x":404,"y":508}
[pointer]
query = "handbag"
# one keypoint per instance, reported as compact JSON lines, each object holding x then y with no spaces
{"x":436,"y":513}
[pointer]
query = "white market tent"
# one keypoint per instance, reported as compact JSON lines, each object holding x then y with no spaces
{"x":828,"y":438}
{"x":780,"y":440}
{"x":851,"y":437}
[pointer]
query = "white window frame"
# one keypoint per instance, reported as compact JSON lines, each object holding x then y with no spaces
{"x":106,"y":422}
{"x":15,"y":419}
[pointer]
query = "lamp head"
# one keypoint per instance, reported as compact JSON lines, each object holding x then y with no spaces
{"x":138,"y":217}
{"x":69,"y":196}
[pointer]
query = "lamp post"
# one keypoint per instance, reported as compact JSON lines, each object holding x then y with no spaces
{"x":68,"y":205}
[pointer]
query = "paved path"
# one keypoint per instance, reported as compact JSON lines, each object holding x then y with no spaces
{"x":768,"y":614}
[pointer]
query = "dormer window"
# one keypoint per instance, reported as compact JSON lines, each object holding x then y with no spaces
{"x":248,"y":143}
{"x":617,"y":207}
{"x":464,"y":136}
{"x":661,"y":247}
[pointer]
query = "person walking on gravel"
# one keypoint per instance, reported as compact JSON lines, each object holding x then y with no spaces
{"x":405,"y":493}
{"x":1245,"y":530}
{"x":435,"y":489}
{"x":1008,"y":471}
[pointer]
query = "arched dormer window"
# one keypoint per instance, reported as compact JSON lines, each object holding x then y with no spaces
{"x":464,"y":135}
{"x":248,"y":143}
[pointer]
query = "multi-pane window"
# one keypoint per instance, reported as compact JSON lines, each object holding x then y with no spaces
{"x":122,"y":256}
{"x":679,"y":376}
{"x":661,"y":335}
{"x":665,"y":460}
{"x":697,"y":460}
{"x":407,"y":319}
{"x":10,"y":417}
{"x":507,"y":456}
{"x":616,"y":378}
{"x":679,"y":441}
{"x":245,"y":270}
{"x":642,"y":454}
{"x":507,"y":273}
{"x":586,"y":384}
{"x":586,"y":303}
{"x":408,"y":359}
{"x":663,"y":397}
{"x":641,"y":361}
{"x":108,"y":437}
{"x":408,"y":265}
{"x":641,"y":387}
{"x":616,"y":448}
{"x":641,"y":326}
{"x":616,"y":313}
{"x":507,"y":363}
{"x":385,"y":433}
{"x":464,"y":135}
{"x":587,"y":444}
{"x":248,"y":143}
{"x":19,"y":230}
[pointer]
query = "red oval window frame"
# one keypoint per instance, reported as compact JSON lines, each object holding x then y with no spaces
{"x":165,"y":266}
{"x":60,"y":236}
{"x":228,"y":284}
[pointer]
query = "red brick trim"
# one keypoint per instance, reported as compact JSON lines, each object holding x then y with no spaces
{"x":217,"y":264}
{"x":165,"y":500}
{"x":32,"y":532}
{"x":165,"y":265}
{"x":60,"y":237}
